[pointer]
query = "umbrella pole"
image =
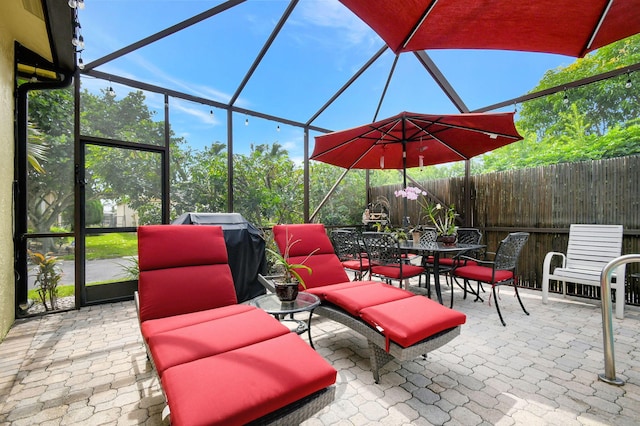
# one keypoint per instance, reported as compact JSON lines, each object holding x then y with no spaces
{"x":405,"y":218}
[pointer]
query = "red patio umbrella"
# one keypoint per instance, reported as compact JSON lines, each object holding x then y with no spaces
{"x":413,"y":140}
{"x":566,"y":27}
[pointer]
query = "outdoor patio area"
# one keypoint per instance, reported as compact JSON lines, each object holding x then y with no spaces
{"x":90,"y":367}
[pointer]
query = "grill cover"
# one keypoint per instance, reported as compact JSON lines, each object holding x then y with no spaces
{"x":245,"y":246}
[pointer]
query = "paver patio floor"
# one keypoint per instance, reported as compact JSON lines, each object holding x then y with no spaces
{"x":90,"y":367}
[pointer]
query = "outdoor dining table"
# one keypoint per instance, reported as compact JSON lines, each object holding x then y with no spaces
{"x":436,"y":249}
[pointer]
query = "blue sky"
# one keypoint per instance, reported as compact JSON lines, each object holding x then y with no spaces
{"x":318,"y":50}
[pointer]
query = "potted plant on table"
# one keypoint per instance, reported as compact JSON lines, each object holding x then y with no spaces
{"x":287,"y":285}
{"x":443,"y":219}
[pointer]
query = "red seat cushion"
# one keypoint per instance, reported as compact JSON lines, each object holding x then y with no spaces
{"x":160,"y":325}
{"x":393,"y":272}
{"x":356,"y":265}
{"x":183,"y":268}
{"x":307,"y":238}
{"x":450,"y":261}
{"x":242,"y":385}
{"x":321,"y":291}
{"x":408,"y":321}
{"x":354,"y":299}
{"x":172,"y":246}
{"x":201,"y":340}
{"x":482,"y":273}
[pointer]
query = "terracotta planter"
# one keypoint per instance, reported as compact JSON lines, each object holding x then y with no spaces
{"x":416,"y":237}
{"x":286,"y":292}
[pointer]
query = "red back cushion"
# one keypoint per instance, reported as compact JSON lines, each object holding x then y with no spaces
{"x":183,"y":268}
{"x":326,"y":269}
{"x":171,"y":246}
{"x":306,"y":238}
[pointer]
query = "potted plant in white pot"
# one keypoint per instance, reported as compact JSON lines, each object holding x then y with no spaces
{"x":286,"y":286}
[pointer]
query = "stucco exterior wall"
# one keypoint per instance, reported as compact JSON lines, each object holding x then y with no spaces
{"x":7,"y":289}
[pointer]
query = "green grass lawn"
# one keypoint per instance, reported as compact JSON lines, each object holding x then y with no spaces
{"x":63,"y":291}
{"x":102,"y":246}
{"x":109,"y":246}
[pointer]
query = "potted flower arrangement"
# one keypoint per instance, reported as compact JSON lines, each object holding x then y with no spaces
{"x":444,"y":220}
{"x":441,"y":217}
{"x":412,"y":193}
{"x":287,"y":285}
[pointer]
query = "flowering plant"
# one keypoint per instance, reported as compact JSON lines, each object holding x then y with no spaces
{"x":443,"y":218}
{"x":411,"y":193}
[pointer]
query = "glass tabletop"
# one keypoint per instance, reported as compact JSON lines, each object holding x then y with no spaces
{"x":272,"y":305}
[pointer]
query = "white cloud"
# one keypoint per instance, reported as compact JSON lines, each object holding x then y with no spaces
{"x":333,"y":14}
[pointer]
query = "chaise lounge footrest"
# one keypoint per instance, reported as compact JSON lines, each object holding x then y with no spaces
{"x":270,"y":374}
{"x":396,"y":322}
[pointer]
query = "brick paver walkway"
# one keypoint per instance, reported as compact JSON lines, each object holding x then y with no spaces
{"x":89,"y":367}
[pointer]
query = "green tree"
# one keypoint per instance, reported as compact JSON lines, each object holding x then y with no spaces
{"x":50,"y":186}
{"x":596,"y":121}
{"x":94,"y":212}
{"x":268,"y":186}
{"x":202,"y":184}
{"x":348,"y":201}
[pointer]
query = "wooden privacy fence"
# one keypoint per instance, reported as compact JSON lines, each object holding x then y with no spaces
{"x":544,"y":201}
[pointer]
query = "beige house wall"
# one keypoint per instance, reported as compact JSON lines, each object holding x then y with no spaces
{"x":7,"y":287}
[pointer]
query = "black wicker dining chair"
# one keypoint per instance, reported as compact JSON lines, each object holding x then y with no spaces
{"x":466,"y":236}
{"x":428,"y":236}
{"x":500,"y":271}
{"x":386,"y":260}
{"x":350,"y":251}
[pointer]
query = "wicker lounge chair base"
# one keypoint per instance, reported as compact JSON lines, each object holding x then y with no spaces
{"x":377,"y":342}
{"x":378,"y":356}
{"x":299,"y":411}
{"x":397,"y":323}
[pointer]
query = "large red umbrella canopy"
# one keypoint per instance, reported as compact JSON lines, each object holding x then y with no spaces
{"x":412,"y":140}
{"x":567,"y":27}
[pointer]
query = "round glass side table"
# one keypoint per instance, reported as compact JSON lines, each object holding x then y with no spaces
{"x":305,"y":302}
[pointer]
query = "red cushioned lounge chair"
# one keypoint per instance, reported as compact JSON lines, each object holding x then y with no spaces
{"x":397,"y":323}
{"x":219,"y":362}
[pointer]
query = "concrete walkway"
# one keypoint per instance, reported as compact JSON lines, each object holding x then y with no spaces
{"x":89,"y":367}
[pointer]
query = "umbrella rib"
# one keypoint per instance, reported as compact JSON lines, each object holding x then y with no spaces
{"x":457,"y":126}
{"x":372,"y":128}
{"x":361,"y":136}
{"x":446,"y":145}
{"x":597,"y":28}
{"x":418,"y":24}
